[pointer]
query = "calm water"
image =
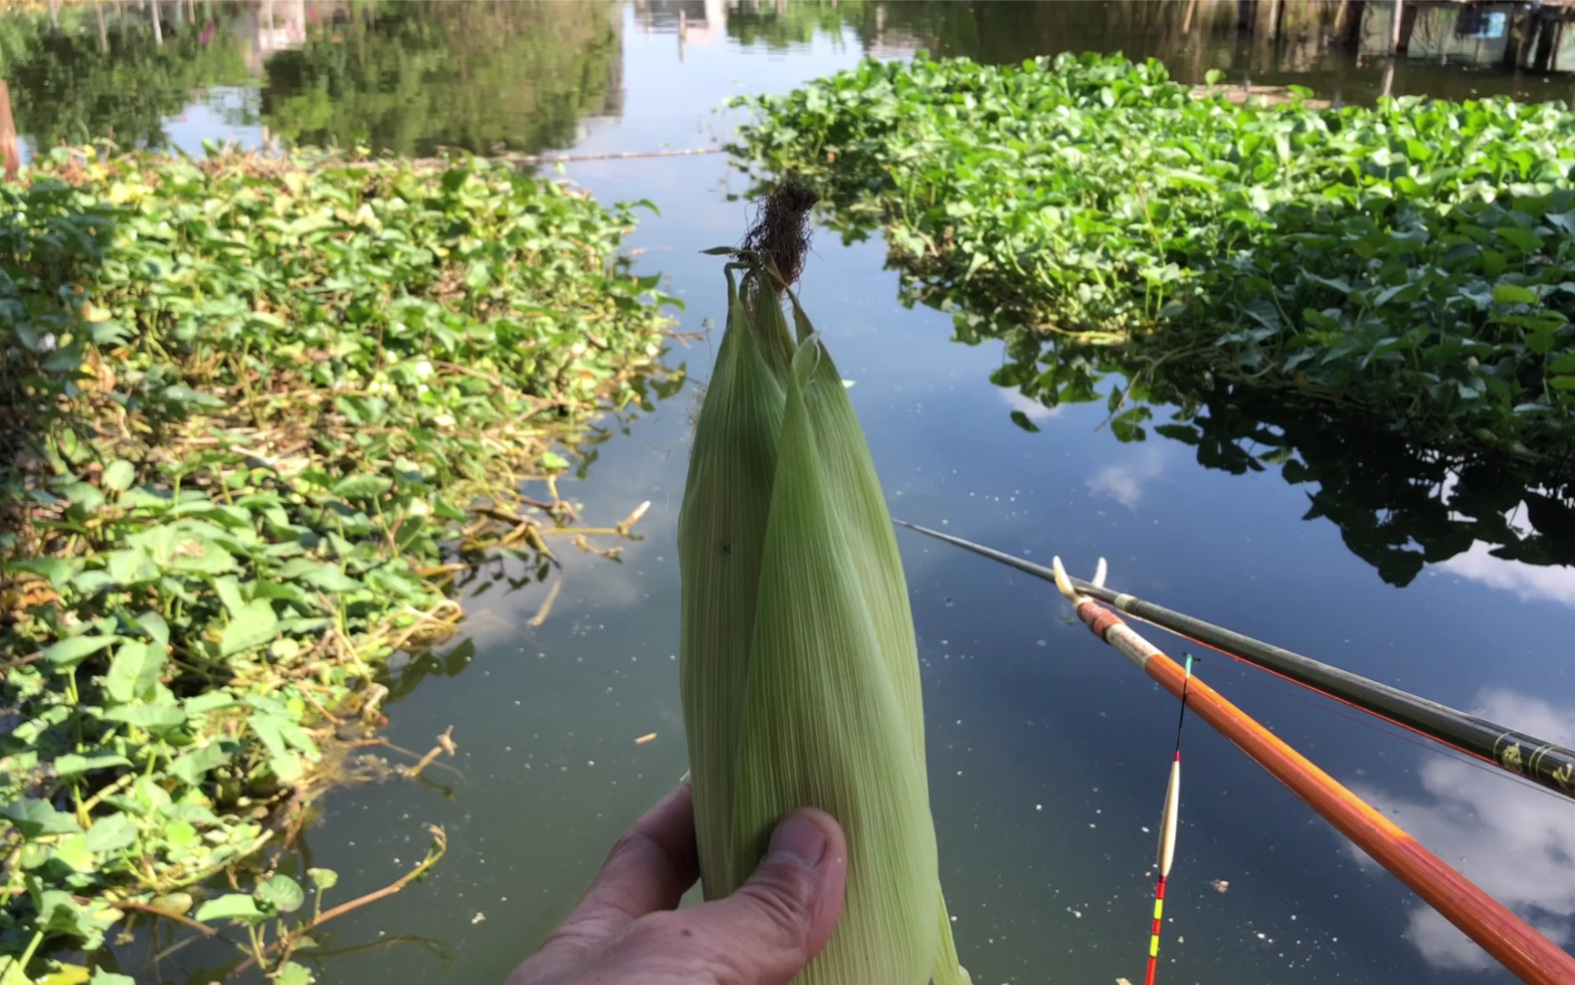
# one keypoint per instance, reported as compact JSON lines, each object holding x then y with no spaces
{"x":1048,"y":752}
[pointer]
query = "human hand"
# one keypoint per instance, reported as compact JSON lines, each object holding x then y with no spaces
{"x":626,"y":930}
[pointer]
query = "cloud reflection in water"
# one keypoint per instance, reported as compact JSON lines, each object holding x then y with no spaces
{"x":1515,"y":840}
{"x":1530,"y":582}
{"x":1124,"y":483}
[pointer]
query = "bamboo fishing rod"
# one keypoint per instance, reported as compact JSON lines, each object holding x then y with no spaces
{"x":1545,"y":763}
{"x":1514,"y":943}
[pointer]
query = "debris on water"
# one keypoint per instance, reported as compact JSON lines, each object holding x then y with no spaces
{"x":647,"y":737}
{"x":1122,"y":981}
{"x":1220,"y":885}
{"x":477,"y":918}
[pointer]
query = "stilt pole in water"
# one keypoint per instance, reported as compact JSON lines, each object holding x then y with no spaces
{"x":1514,"y":943}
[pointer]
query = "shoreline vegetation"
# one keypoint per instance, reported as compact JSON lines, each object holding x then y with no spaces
{"x":1409,"y":266}
{"x":260,"y":413}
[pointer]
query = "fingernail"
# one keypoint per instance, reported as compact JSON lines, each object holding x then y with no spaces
{"x":798,"y":841}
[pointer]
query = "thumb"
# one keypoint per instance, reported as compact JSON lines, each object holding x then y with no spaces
{"x":779,"y":919}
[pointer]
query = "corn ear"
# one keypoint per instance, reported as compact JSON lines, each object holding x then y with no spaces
{"x":798,"y":662}
{"x":721,"y":534}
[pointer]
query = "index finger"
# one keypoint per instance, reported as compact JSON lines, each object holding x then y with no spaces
{"x":649,"y":869}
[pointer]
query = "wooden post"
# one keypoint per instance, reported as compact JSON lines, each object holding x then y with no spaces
{"x":10,"y":158}
{"x":103,"y":32}
{"x":1353,"y":23}
{"x":1399,"y":15}
{"x":683,"y":31}
{"x":1545,"y":42}
{"x":158,"y":24}
{"x":1186,"y":22}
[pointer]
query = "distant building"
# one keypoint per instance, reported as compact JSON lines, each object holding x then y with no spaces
{"x":703,"y":21}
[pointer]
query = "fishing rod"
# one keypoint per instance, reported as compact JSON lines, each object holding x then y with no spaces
{"x":1547,"y":764}
{"x":1513,"y":942}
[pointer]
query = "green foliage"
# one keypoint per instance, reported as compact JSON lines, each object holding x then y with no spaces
{"x":255,"y":410}
{"x":1413,"y":264}
{"x":424,"y":76}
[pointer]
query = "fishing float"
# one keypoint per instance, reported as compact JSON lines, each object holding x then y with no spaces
{"x":1547,"y":764}
{"x":1515,"y":944}
{"x":1167,"y":831}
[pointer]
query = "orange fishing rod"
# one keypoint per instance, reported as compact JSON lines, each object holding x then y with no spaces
{"x":1514,"y":943}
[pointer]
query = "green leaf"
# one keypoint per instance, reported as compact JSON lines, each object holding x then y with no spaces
{"x":202,"y":554}
{"x":134,"y":671}
{"x":73,"y":650}
{"x":179,"y":834}
{"x":209,"y":701}
{"x":72,"y":764}
{"x":253,"y":626}
{"x":286,"y":765}
{"x":181,"y":394}
{"x":35,"y":818}
{"x":231,"y":906}
{"x":130,"y":566}
{"x":323,"y":879}
{"x":111,"y":833}
{"x":552,"y":462}
{"x":193,"y":766}
{"x":1514,"y":294}
{"x":282,"y":893}
{"x":73,"y":851}
{"x":102,"y":977}
{"x":329,"y":578}
{"x":153,"y":718}
{"x":119,"y":475}
{"x":291,"y":973}
{"x":58,"y":570}
{"x":229,"y":591}
{"x":154,"y":625}
{"x":362,"y":486}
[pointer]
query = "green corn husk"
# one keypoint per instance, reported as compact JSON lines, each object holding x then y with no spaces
{"x":799,"y":668}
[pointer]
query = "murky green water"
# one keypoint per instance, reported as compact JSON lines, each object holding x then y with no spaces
{"x":1048,"y":752}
